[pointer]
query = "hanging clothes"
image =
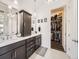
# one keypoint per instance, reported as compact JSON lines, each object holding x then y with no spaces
{"x":58,"y":35}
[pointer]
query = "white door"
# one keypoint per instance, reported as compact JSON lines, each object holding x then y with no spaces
{"x":72,"y":37}
{"x":74,"y":34}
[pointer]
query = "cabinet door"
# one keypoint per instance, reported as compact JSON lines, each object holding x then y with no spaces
{"x":20,"y":53}
{"x":6,"y":56}
{"x":38,"y":42}
{"x":27,"y":24}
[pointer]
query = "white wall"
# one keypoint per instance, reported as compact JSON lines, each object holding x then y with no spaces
{"x":45,"y":27}
{"x":11,"y":3}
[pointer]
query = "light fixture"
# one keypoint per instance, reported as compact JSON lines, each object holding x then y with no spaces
{"x":15,"y":1}
{"x":35,"y":14}
{"x":2,"y":30}
{"x":56,"y":0}
{"x":1,"y":25}
{"x":10,"y":7}
{"x":49,"y":1}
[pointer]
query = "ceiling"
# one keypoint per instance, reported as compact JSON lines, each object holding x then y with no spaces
{"x":41,"y":5}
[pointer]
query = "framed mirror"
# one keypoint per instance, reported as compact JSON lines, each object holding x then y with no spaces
{"x":8,"y":21}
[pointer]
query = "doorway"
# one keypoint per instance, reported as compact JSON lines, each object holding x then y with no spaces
{"x":57,"y":28}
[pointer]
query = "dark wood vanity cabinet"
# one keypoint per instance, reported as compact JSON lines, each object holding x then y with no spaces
{"x":25,"y":23}
{"x":21,"y":50}
{"x":19,"y":53}
{"x":13,"y":51}
{"x":32,"y":45}
{"x":6,"y":56}
{"x":37,"y":41}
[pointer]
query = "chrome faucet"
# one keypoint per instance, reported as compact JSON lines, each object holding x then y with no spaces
{"x":7,"y":37}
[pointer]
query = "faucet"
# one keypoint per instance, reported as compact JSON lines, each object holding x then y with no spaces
{"x":7,"y":37}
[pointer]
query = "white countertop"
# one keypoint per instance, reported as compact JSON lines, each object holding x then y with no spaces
{"x":17,"y":39}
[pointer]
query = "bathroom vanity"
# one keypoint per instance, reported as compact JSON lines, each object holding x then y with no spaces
{"x":20,"y":48}
{"x":12,"y":44}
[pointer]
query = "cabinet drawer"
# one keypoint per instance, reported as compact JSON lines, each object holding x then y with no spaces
{"x":31,"y":43}
{"x":30,"y":52}
{"x":30,"y":47}
{"x":29,"y":40}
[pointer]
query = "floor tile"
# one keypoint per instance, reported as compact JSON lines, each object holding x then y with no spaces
{"x":51,"y":54}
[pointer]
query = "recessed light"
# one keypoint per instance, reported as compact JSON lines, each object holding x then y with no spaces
{"x":56,"y":0}
{"x":15,"y":1}
{"x":50,"y":1}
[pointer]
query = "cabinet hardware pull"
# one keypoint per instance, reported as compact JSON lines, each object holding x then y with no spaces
{"x":15,"y":54}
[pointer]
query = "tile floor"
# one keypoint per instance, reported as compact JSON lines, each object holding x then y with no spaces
{"x":51,"y":54}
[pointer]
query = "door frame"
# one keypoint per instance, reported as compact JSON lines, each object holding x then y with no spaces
{"x":65,"y":34}
{"x":65,"y":19}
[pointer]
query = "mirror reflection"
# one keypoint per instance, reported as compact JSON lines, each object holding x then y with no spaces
{"x":3,"y":22}
{"x":8,"y":22}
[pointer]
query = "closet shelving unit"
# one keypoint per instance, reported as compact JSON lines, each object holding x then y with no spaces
{"x":56,"y":28}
